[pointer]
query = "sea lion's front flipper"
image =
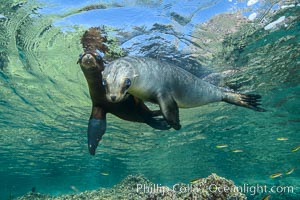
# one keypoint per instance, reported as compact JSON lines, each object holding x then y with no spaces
{"x":170,"y":110}
{"x":96,"y":129}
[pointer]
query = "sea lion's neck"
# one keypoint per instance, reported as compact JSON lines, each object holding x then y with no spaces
{"x":92,"y":76}
{"x":94,"y":80}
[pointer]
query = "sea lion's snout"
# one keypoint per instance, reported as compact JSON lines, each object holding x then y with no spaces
{"x":89,"y":57}
{"x":88,"y":61}
{"x":113,"y":98}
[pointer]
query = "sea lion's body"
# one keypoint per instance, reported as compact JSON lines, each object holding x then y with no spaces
{"x":167,"y":85}
{"x":131,"y":109}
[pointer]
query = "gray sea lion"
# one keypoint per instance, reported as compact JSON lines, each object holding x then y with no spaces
{"x":167,"y":85}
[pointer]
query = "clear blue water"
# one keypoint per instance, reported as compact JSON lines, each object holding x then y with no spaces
{"x":45,"y":104}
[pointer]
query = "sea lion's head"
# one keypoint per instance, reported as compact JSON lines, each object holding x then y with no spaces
{"x":91,"y":60}
{"x":117,"y":80}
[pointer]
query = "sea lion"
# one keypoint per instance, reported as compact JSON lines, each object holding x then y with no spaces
{"x":167,"y":85}
{"x":131,"y":109}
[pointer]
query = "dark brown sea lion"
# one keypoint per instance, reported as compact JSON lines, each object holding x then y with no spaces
{"x":131,"y":109}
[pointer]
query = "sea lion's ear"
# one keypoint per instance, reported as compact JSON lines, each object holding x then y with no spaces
{"x":80,"y":57}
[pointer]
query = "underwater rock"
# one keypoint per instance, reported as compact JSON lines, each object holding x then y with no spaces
{"x":36,"y":196}
{"x":138,"y":187}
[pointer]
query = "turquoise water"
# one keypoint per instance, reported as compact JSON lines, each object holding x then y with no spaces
{"x":45,"y":105}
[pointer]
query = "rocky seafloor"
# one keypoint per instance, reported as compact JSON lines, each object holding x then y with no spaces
{"x":138,"y":187}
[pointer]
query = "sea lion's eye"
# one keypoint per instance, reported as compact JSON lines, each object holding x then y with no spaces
{"x":104,"y":82}
{"x":99,"y":55}
{"x":127,"y":82}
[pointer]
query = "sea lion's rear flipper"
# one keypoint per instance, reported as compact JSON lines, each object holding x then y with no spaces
{"x":155,"y":113}
{"x":169,"y":110}
{"x":251,"y":101}
{"x":158,"y":123}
